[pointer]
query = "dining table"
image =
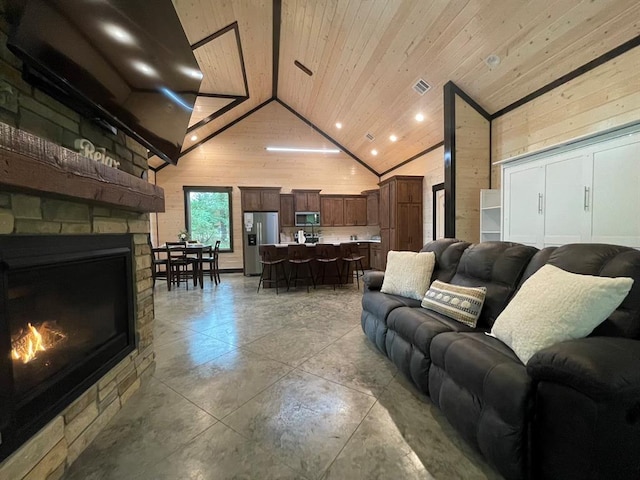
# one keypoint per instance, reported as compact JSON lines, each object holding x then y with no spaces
{"x":192,"y":249}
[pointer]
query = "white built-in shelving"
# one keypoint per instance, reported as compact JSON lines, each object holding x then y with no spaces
{"x":490,"y":215}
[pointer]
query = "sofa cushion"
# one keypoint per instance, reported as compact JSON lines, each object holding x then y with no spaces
{"x":497,"y":266}
{"x":463,"y":304}
{"x":553,"y":306}
{"x":448,"y":252}
{"x":484,"y":391}
{"x":408,"y":273}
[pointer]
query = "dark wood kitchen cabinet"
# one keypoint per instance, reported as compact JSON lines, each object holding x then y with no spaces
{"x":287,"y":217}
{"x":332,"y":210}
{"x":375,"y":256}
{"x":400,"y":214}
{"x":355,"y":210}
{"x":306,"y":200}
{"x":363,"y":248}
{"x":260,"y":199}
{"x":373,"y":209}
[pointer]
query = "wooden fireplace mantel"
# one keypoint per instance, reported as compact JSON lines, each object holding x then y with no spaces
{"x":29,"y":163}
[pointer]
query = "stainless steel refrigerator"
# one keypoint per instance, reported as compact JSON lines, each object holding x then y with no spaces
{"x":259,"y":228}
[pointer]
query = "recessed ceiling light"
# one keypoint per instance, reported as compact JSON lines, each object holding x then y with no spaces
{"x":118,"y":33}
{"x":194,"y":138}
{"x":306,"y":150}
{"x":145,"y":68}
{"x":492,"y":60}
{"x":419,"y":117}
{"x":338,"y":125}
{"x":393,"y":138}
{"x":374,"y":152}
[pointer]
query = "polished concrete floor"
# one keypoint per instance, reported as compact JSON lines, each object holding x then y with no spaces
{"x":266,"y":386}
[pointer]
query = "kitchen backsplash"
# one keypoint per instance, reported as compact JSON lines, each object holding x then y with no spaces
{"x":336,"y":234}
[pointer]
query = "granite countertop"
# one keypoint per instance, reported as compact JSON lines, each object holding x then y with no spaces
{"x":330,"y":243}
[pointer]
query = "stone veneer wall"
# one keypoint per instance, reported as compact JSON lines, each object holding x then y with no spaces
{"x":57,"y":445}
{"x":48,"y":453}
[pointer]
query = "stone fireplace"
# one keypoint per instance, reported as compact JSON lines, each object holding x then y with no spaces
{"x":60,"y":211}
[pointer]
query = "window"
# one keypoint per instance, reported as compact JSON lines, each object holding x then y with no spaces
{"x":208,"y":215}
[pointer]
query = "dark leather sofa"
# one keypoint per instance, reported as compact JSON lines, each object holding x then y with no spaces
{"x":572,"y":412}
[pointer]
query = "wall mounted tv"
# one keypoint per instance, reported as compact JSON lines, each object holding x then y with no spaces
{"x":126,"y":63}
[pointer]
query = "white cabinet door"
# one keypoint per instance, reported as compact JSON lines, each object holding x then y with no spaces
{"x":566,"y":199}
{"x":615,"y":206}
{"x":523,"y":204}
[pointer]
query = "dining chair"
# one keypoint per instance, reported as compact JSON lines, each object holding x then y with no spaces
{"x":350,"y":254}
{"x":326,"y":254}
{"x":210,"y":256}
{"x":271,"y":260}
{"x":179,"y":263}
{"x":159,"y":263}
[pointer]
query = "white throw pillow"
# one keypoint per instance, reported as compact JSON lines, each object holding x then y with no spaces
{"x":554,"y":305}
{"x":408,"y":273}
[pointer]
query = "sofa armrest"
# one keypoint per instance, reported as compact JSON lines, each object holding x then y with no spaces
{"x":373,"y":280}
{"x":597,"y":366}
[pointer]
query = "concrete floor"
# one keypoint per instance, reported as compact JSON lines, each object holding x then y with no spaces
{"x":259,"y":386}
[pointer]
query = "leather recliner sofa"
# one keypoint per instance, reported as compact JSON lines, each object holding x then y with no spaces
{"x":572,"y":412}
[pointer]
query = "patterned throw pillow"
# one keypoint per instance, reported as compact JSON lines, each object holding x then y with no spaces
{"x":463,"y":304}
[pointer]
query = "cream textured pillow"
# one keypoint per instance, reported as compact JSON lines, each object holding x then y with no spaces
{"x":463,"y":304}
{"x":554,"y":305}
{"x":408,"y":273}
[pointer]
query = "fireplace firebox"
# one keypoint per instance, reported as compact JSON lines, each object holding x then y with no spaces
{"x":66,"y":318}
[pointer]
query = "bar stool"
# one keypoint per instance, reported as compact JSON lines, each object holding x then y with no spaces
{"x":326,"y":254}
{"x":299,"y":256}
{"x":271,"y":259}
{"x":350,"y":254}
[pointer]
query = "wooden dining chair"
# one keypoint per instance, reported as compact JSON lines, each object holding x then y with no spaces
{"x":210,"y":256}
{"x":179,"y":263}
{"x":159,"y":263}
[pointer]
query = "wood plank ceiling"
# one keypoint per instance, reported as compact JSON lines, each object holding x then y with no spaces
{"x":366,"y":55}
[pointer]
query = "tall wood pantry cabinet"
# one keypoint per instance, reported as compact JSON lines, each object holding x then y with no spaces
{"x":400,"y":215}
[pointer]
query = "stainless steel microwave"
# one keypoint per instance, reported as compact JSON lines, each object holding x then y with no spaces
{"x":307,"y":219}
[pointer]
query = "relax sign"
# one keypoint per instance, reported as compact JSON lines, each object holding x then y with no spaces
{"x":87,"y":149}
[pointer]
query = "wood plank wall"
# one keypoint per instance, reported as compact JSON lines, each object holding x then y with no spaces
{"x":603,"y":98}
{"x":472,"y":169}
{"x":237,"y":157}
{"x":431,"y":166}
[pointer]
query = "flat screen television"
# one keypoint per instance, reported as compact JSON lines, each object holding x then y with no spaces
{"x":126,"y":63}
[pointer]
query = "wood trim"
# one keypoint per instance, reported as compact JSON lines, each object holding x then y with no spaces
{"x":216,"y":114}
{"x":328,"y":137}
{"x":604,"y":58}
{"x":229,"y":125}
{"x":462,"y":94}
{"x":415,"y":157}
{"x":199,"y":188}
{"x":219,"y":95}
{"x":277,"y":24}
{"x":449,"y":160}
{"x":434,"y":189}
{"x":214,"y":35}
{"x":241,"y":55}
{"x":29,"y":163}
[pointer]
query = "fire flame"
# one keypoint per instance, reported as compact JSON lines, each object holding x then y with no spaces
{"x":26,"y":347}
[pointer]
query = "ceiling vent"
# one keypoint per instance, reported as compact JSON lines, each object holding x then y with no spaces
{"x":421,"y":87}
{"x":369,"y":137}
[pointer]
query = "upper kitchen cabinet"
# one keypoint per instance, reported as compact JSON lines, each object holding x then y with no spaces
{"x":306,"y":200}
{"x":332,"y":210}
{"x":287,"y":217}
{"x":373,"y":211}
{"x":355,"y":210}
{"x":260,"y":199}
